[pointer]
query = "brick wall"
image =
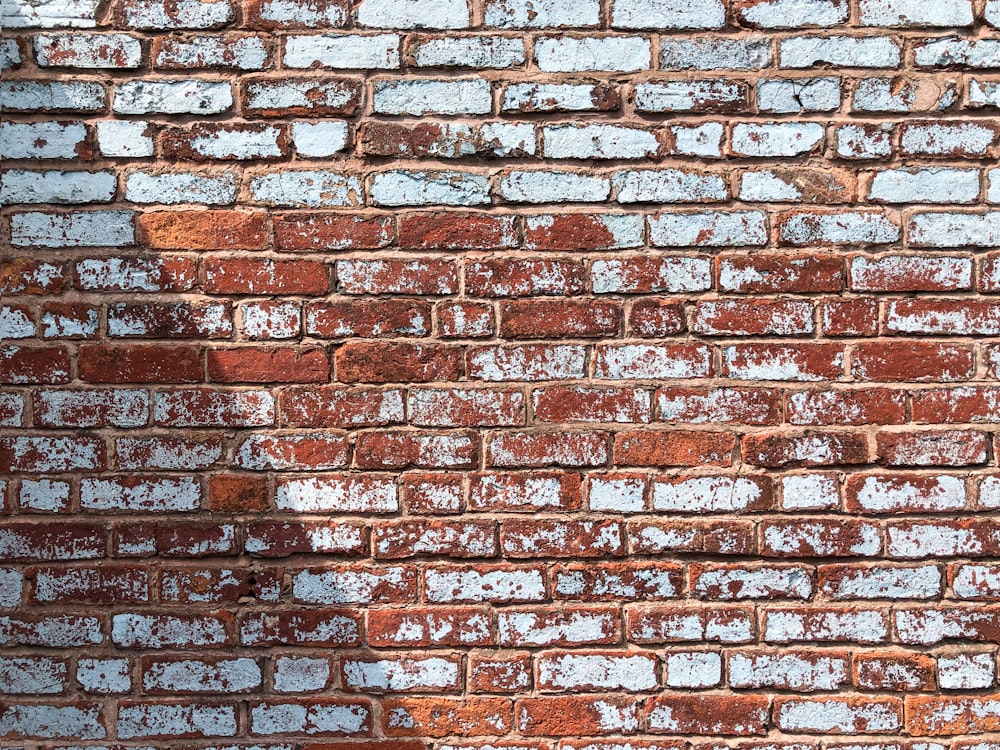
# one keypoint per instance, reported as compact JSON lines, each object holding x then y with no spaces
{"x":519,"y":374}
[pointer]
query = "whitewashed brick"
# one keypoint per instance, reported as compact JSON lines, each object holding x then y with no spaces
{"x":860,"y":142}
{"x":540,"y":186}
{"x":598,"y":142}
{"x":49,"y":721}
{"x":297,"y":718}
{"x":180,"y":187}
{"x":788,"y":626}
{"x":10,"y":55}
{"x":314,"y":189}
{"x":955,"y":230}
{"x":566,"y":54}
{"x":706,"y":495}
{"x":771,"y":139}
{"x":948,"y":51}
{"x":406,"y":188}
{"x":124,"y":138}
{"x":709,"y":229}
{"x":616,"y":494}
{"x":649,"y":361}
{"x":983,"y":93}
{"x":41,"y":140}
{"x":79,"y":229}
{"x":86,"y":50}
{"x":809,"y":492}
{"x":197,"y":676}
{"x":540,"y":14}
{"x":788,"y":671}
{"x":469,"y":52}
{"x":948,"y":139}
{"x":693,"y":669}
{"x":907,"y":13}
{"x":597,"y":672}
{"x":792,"y":14}
{"x":104,"y":676}
{"x":847,"y":227}
{"x":785,"y":96}
{"x":917,"y":185}
{"x":413,"y":14}
{"x":714,"y":53}
{"x":459,"y":585}
{"x":337,"y":495}
{"x":56,"y":186}
{"x":300,"y":674}
{"x":841,"y":51}
{"x":167,"y":719}
{"x":315,"y":140}
{"x":886,"y":583}
{"x":48,"y":14}
{"x":431,"y":673}
{"x":178,"y":14}
{"x":834,"y":715}
{"x":668,"y":14}
{"x":421,"y":97}
{"x":674,"y":275}
{"x":172,"y":97}
{"x":31,"y":96}
{"x":966,"y":671}
{"x":668,"y":186}
{"x":148,"y":496}
{"x":344,"y":51}
{"x":688,"y":96}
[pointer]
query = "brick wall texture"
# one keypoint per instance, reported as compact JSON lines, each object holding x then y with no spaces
{"x":500,"y":374}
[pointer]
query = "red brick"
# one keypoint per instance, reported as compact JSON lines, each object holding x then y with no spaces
{"x":203,"y":230}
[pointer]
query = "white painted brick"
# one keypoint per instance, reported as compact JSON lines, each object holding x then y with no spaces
{"x":934,"y":185}
{"x":834,"y":715}
{"x":300,"y":674}
{"x":625,"y":230}
{"x":16,"y":323}
{"x":56,"y":186}
{"x":196,"y":676}
{"x":992,"y":13}
{"x":172,"y":97}
{"x":598,"y":671}
{"x":296,"y":718}
{"x":414,"y":14}
{"x":840,"y":51}
{"x":540,"y":14}
{"x":900,"y":95}
{"x":86,"y":50}
{"x":809,"y":492}
{"x":966,"y":671}
{"x":344,"y":51}
{"x":29,"y":96}
{"x":319,"y":139}
{"x":400,"y":676}
{"x":955,"y":230}
{"x":616,"y":494}
{"x":750,"y":583}
{"x":857,"y":142}
{"x":551,"y":97}
{"x":10,"y":55}
{"x":541,"y":186}
{"x":770,"y":139}
{"x":80,"y":229}
{"x":715,"y":53}
{"x":124,"y":138}
{"x":668,"y":186}
{"x":815,"y":537}
{"x":345,"y":586}
{"x":844,"y":228}
{"x":687,"y":96}
{"x":788,"y":671}
{"x":703,"y":140}
{"x":984,"y":93}
{"x":421,"y":97}
{"x":543,"y":629}
{"x":947,"y":139}
{"x":709,"y":229}
{"x":792,"y":14}
{"x":649,"y":361}
{"x":41,"y":140}
{"x":705,"y":495}
{"x":48,"y":721}
{"x":44,"y":495}
{"x":469,"y":52}
{"x":177,"y":14}
{"x":886,"y":583}
{"x":180,"y":187}
{"x":693,"y":669}
{"x":337,"y":495}
{"x":870,"y":273}
{"x":31,"y":676}
{"x":676,"y":274}
{"x":133,"y":630}
{"x":624,"y":54}
{"x":598,"y":142}
{"x":160,"y":495}
{"x":788,"y":626}
{"x":410,"y":188}
{"x":907,"y":13}
{"x":784,"y":96}
{"x":313,"y":189}
{"x":11,"y":586}
{"x":164,"y":719}
{"x":948,"y":51}
{"x":456,"y":585}
{"x":103,"y":676}
{"x":668,"y":14}
{"x":48,"y":14}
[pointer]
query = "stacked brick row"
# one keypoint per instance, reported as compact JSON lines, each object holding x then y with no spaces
{"x":500,"y":375}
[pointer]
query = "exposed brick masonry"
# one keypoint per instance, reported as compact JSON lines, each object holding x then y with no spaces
{"x":511,"y":375}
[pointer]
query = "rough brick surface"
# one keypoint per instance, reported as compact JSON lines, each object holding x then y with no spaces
{"x":499,"y":374}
